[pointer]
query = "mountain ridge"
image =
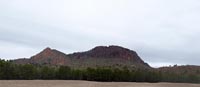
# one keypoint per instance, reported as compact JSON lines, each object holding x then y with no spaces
{"x":98,"y":56}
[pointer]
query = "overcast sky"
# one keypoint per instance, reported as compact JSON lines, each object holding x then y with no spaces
{"x":163,"y":32}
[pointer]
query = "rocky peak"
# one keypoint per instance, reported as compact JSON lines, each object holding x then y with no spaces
{"x":48,"y":49}
{"x":111,"y":48}
{"x":49,"y":56}
{"x":47,"y":52}
{"x":112,"y":52}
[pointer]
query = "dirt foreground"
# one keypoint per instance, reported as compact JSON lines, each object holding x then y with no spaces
{"x":70,"y":83}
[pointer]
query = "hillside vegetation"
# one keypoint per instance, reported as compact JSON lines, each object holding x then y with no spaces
{"x":11,"y":71}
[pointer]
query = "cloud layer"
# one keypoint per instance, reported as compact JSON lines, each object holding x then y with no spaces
{"x":161,"y":31}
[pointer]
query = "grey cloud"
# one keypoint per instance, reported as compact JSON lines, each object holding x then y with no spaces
{"x":162,"y":32}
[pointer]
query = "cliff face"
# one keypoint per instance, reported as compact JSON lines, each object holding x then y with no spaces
{"x":98,"y":56}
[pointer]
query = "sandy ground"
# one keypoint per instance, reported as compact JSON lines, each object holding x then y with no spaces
{"x":70,"y":83}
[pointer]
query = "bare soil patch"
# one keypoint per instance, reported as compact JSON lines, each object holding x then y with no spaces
{"x":71,"y":83}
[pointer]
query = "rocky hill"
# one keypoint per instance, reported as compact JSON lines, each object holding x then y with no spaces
{"x":114,"y":56}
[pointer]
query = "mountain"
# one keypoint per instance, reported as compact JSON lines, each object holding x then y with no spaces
{"x":114,"y":56}
{"x":110,"y":52}
{"x":48,"y":56}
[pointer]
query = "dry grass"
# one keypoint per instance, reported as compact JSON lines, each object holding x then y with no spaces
{"x":70,"y":83}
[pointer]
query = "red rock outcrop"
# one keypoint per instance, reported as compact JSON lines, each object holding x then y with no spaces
{"x":50,"y":57}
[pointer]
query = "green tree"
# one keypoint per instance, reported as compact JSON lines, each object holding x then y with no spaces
{"x":27,"y":71}
{"x":47,"y":72}
{"x":64,"y":72}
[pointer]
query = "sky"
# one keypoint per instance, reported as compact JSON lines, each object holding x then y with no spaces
{"x":162,"y":32}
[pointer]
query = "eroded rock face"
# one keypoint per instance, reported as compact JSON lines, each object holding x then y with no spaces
{"x":45,"y":54}
{"x":50,"y":57}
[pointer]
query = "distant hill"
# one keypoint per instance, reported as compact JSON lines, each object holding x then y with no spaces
{"x":184,"y":69}
{"x":102,"y":63}
{"x":112,"y":56}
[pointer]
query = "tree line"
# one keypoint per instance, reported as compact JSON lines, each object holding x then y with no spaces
{"x":10,"y":71}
